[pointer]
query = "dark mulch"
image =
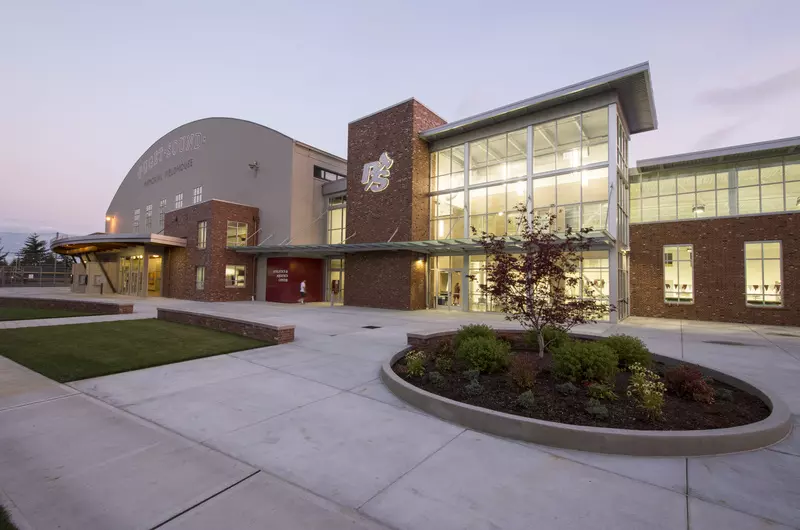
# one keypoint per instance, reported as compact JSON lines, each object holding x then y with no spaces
{"x":500,"y":394}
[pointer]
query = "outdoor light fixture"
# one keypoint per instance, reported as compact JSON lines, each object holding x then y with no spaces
{"x":108,"y":217}
{"x":700,"y":208}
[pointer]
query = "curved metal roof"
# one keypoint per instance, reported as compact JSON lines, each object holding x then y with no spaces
{"x":632,"y":85}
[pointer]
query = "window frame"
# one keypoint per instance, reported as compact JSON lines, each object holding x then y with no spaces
{"x":137,"y":213}
{"x":238,"y":225}
{"x":202,"y":234}
{"x":235,"y":284}
{"x":179,"y":201}
{"x":197,"y":195}
{"x":764,"y":305}
{"x":200,"y":278}
{"x":676,"y":261}
{"x":162,"y":209}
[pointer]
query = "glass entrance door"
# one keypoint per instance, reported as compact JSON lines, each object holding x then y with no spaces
{"x":448,"y":290}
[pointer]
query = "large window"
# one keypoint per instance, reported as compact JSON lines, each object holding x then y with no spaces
{"x":197,"y":195}
{"x":492,"y":209}
{"x":578,"y":199}
{"x":202,"y":229}
{"x":237,"y":234}
{"x":760,"y":186}
{"x":447,"y":169}
{"x":235,"y":276}
{"x":678,"y":274}
{"x":763,"y":273}
{"x":571,"y":142}
{"x":447,"y":216}
{"x":136,"y":215}
{"x":199,"y":277}
{"x":337,"y":220}
{"x":570,"y":178}
{"x":148,"y":218}
{"x":179,"y":201}
{"x":499,"y":157}
{"x":162,"y":208}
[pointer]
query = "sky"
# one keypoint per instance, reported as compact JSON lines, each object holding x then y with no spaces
{"x":87,"y":86}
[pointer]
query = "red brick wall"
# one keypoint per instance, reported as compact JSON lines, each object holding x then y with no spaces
{"x":719,"y":274}
{"x":402,"y":206}
{"x":179,"y":271}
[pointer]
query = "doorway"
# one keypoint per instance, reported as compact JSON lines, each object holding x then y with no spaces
{"x":448,"y":290}
{"x":131,"y":269}
{"x":154,"y":275}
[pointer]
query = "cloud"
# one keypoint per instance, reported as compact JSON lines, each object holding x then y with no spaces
{"x":753,"y":93}
{"x":721,"y":136}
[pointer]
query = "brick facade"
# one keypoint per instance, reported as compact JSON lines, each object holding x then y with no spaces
{"x":179,"y":270}
{"x":384,"y":279}
{"x":719,"y":270}
{"x":255,"y":330}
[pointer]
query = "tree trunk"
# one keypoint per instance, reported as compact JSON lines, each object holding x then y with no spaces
{"x":541,"y":343}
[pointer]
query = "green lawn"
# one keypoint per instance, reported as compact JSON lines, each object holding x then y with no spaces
{"x":29,"y":313}
{"x":79,"y":351}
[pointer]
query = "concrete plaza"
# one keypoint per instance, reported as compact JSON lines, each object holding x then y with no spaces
{"x":304,"y":435}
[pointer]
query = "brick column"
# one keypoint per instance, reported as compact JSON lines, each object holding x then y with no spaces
{"x":392,"y":280}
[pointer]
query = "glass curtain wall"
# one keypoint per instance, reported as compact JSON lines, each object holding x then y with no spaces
{"x":569,"y":174}
{"x":767,"y":185}
{"x":337,"y":220}
{"x":558,"y":168}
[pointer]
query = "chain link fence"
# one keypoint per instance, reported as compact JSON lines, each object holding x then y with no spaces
{"x":48,"y":273}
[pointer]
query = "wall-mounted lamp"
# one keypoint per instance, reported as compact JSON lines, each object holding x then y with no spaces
{"x":699,"y":209}
{"x":109,"y":217}
{"x":254,"y":167}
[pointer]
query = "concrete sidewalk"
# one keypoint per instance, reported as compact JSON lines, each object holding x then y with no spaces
{"x":69,"y":461}
{"x":333,"y":445}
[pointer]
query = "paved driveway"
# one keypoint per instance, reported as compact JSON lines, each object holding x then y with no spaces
{"x":324,"y":432}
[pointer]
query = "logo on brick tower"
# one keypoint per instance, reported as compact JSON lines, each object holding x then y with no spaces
{"x":376,"y":174}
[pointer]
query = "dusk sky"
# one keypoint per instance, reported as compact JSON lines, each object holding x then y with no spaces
{"x":88,"y":86}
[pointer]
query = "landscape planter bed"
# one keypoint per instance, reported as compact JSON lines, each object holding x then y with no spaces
{"x":752,"y":419}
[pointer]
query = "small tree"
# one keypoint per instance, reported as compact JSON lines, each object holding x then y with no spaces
{"x":538,"y":283}
{"x":3,"y":255}
{"x":34,"y":252}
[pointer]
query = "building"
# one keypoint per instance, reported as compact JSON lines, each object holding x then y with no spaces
{"x":224,"y":209}
{"x":714,"y":234}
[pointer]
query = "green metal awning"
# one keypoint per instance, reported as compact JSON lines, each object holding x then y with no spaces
{"x":443,"y":247}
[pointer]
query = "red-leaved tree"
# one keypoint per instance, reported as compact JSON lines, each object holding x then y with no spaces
{"x":536,"y":281}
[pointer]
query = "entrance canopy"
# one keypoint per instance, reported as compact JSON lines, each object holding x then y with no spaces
{"x":111,"y":242}
{"x":444,"y":247}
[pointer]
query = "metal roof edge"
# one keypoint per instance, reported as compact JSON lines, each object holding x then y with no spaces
{"x":541,"y":98}
{"x":707,"y":154}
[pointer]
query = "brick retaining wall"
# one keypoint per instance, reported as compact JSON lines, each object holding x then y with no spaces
{"x":253,"y":330}
{"x":83,"y":306}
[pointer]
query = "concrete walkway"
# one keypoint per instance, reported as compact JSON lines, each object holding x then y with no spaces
{"x":325,"y":432}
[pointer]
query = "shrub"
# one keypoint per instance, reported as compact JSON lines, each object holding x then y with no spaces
{"x":474,"y":388}
{"x":484,"y":354}
{"x":472,"y":374}
{"x":629,"y":350}
{"x":585,"y":361}
{"x":601,"y":392}
{"x":436,"y":378}
{"x":523,"y":371}
{"x":526,"y":400}
{"x":646,"y":388}
{"x":471,"y":331}
{"x":567,"y":389}
{"x":596,"y":409}
{"x":687,"y":382}
{"x":443,"y":364}
{"x":415,"y":363}
{"x":553,"y":338}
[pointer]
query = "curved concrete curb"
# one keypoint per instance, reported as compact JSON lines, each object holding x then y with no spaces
{"x":601,"y":440}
